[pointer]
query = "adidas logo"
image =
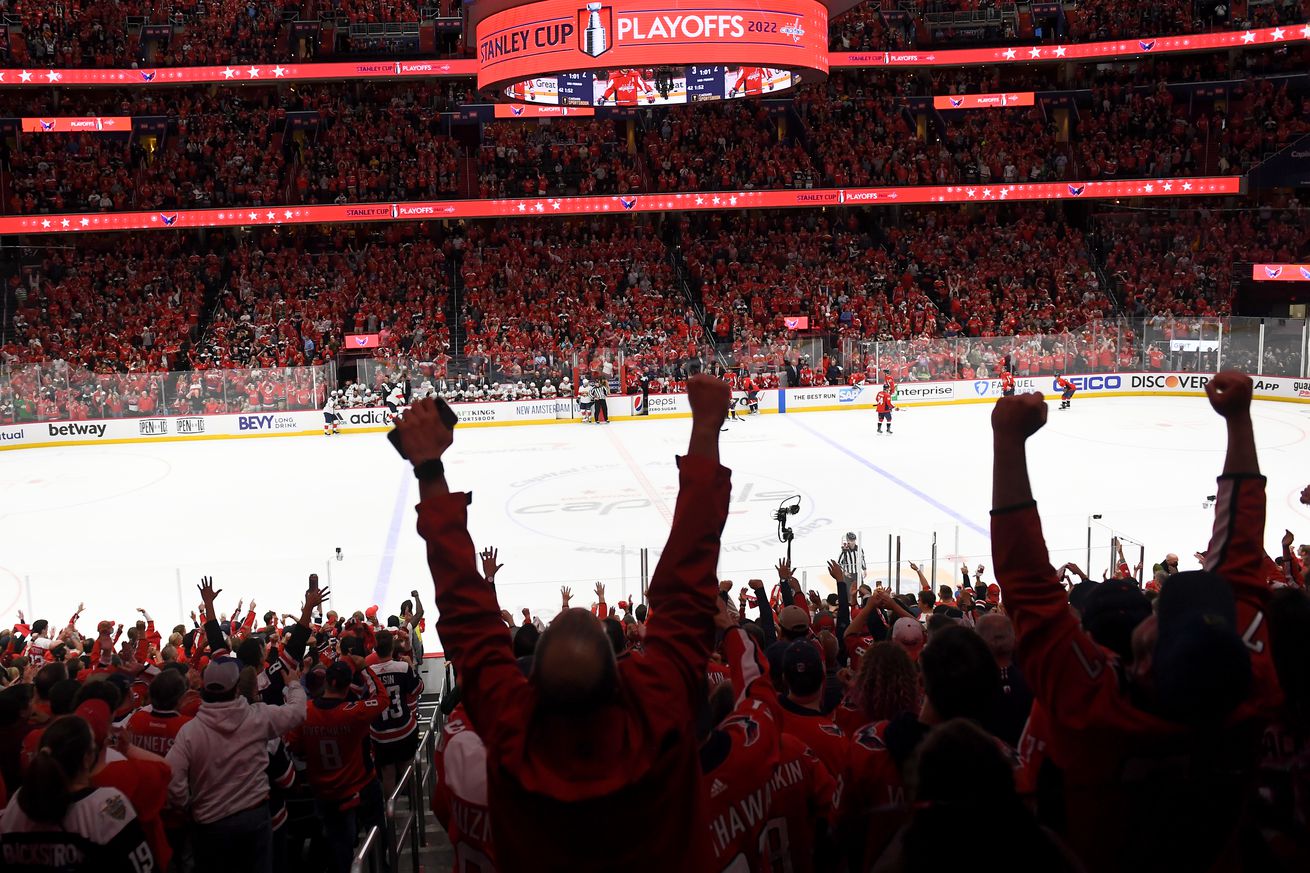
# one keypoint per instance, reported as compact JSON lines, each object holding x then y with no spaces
{"x":718,"y":787}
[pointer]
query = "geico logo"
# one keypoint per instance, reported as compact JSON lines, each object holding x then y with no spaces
{"x":11,"y":436}
{"x":371,"y":416}
{"x":95,"y":430}
{"x":1169,"y":381}
{"x":1093,"y":383}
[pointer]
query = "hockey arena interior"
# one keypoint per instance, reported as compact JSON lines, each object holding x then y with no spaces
{"x":738,"y":437}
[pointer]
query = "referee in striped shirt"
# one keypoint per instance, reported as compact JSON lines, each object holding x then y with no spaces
{"x":851,"y":560}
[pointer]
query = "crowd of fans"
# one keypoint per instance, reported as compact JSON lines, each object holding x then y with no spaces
{"x":767,"y":726}
{"x":861,"y":128}
{"x":939,"y":290}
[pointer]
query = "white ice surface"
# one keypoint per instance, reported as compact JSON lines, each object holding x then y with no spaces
{"x":122,"y":526}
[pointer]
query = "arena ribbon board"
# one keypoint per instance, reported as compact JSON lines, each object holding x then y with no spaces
{"x":650,"y":52}
{"x":347,"y":71}
{"x":79,"y":124}
{"x":534,"y":207}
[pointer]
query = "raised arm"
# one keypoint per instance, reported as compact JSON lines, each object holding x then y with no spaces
{"x":475,"y":638}
{"x":1236,"y":551}
{"x":843,"y":595}
{"x":682,"y":591}
{"x":1068,"y":670}
{"x":766,"y":612}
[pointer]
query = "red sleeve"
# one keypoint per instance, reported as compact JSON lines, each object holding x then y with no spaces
{"x":475,"y":638}
{"x":365,"y":711}
{"x":683,"y":599}
{"x":249,"y":624}
{"x":1237,"y":553}
{"x":1069,"y":673}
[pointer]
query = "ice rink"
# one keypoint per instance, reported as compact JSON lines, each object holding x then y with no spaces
{"x":122,"y":526}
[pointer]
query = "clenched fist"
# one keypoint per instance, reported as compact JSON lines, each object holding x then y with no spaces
{"x":1019,"y":416}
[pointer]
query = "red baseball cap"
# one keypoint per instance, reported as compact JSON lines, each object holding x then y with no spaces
{"x":96,"y":714}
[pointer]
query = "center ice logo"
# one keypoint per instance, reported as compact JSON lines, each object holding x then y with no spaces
{"x":595,"y":22}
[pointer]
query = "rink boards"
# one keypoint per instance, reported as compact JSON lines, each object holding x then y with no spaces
{"x":170,"y":428}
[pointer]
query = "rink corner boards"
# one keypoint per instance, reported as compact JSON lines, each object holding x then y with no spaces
{"x":624,"y":409}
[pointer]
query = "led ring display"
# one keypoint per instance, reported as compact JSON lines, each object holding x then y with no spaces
{"x":650,"y":52}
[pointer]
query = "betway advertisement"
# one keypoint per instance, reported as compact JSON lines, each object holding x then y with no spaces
{"x":564,"y":36}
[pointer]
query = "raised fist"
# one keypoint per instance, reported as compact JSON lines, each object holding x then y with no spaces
{"x":709,"y":398}
{"x":1229,"y":393}
{"x":1019,"y":416}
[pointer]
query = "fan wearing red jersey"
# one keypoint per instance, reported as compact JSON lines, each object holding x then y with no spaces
{"x":585,"y":735}
{"x":885,"y":407}
{"x":154,"y":728}
{"x":738,"y":760}
{"x":802,"y":810}
{"x":1201,"y":672}
{"x":334,"y":744}
{"x":395,"y":732}
{"x":459,"y":797}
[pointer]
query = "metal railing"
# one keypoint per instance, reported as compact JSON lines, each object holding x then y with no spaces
{"x":404,"y":831}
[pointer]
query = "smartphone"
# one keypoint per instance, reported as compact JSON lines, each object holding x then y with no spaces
{"x":313,"y":581}
{"x":448,"y":418}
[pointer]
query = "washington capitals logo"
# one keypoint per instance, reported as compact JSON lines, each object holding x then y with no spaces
{"x":956,"y":103}
{"x":1305,"y":273}
{"x":794,"y":30}
{"x":1273,"y":272}
{"x":361,"y":340}
{"x":47,"y":126}
{"x":169,"y":218}
{"x":749,"y":726}
{"x":1077,"y":190}
{"x":147,"y":75}
{"x":516,"y":110}
{"x":868,"y":738}
{"x":1146,"y":44}
{"x":628,"y":202}
{"x":831,"y":729}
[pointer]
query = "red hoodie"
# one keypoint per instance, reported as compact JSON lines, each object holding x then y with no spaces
{"x":551,"y":780}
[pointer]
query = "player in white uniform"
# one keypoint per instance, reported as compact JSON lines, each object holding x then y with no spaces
{"x":395,"y":400}
{"x":331,"y":419}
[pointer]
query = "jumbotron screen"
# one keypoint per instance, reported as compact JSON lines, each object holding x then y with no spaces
{"x":659,"y":86}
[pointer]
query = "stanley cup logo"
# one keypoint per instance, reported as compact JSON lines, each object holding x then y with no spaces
{"x":593,"y":37}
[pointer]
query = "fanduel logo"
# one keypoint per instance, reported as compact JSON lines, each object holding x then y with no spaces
{"x":95,"y":430}
{"x":11,"y":436}
{"x":980,"y":387}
